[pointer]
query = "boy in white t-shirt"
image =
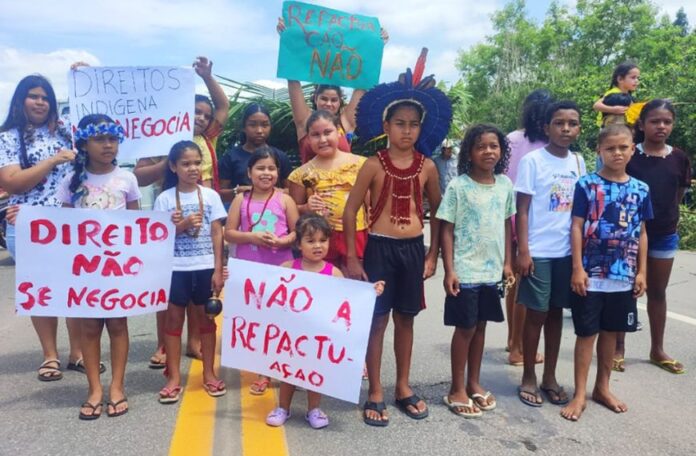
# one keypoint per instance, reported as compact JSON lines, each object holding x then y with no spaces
{"x":545,"y":184}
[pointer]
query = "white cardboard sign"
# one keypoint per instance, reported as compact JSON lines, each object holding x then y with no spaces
{"x":302,"y":328}
{"x":154,"y":105}
{"x":92,"y":263}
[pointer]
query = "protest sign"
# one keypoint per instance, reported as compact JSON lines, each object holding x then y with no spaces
{"x":92,"y":263}
{"x":154,"y":105}
{"x":300,"y":327}
{"x":328,"y":46}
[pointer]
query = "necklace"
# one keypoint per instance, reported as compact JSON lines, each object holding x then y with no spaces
{"x":401,"y":184}
{"x":265,"y":205}
{"x":195,"y":231}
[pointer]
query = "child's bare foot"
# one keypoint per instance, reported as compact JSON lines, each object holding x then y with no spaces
{"x":194,"y":352}
{"x":609,"y":401}
{"x":574,"y":409}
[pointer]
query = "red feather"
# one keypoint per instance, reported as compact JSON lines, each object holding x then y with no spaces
{"x":420,"y":67}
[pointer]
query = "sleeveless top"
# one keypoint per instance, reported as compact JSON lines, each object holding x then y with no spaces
{"x":327,"y":270}
{"x":272,"y":220}
{"x":306,"y":153}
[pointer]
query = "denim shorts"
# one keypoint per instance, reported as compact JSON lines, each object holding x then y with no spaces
{"x":663,"y":246}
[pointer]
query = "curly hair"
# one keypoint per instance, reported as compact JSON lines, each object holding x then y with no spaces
{"x":310,"y":223}
{"x":472,"y":135}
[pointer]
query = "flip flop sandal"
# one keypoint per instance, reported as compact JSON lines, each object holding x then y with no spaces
{"x":94,"y":415}
{"x":378,"y":407}
{"x":259,"y":387}
{"x":482,"y":401}
{"x":170,"y":395}
{"x":411,"y":400}
{"x":158,"y":361}
{"x":48,"y":373}
{"x":455,"y":407}
{"x":535,"y":392}
{"x":215,"y":389}
{"x":670,"y":365}
{"x":114,"y":405}
{"x":557,"y":393}
{"x":617,"y":365}
{"x":79,"y":366}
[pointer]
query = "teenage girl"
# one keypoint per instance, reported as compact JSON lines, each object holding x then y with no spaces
{"x":476,"y":214}
{"x":209,"y":121}
{"x":322,"y":184}
{"x":35,"y":155}
{"x":667,"y":172}
{"x":312,"y":239}
{"x":261,"y":222}
{"x":614,"y":104}
{"x":196,"y":212}
{"x":256,"y":128}
{"x":98,"y":183}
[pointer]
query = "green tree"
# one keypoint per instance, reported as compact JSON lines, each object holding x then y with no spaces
{"x":681,"y":21}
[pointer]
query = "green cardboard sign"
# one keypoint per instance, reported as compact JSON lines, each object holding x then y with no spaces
{"x":328,"y":46}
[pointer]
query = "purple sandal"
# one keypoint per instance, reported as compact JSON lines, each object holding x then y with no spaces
{"x":317,"y":419}
{"x":277,"y":417}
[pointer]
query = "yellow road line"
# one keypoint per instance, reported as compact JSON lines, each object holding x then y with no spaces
{"x":195,"y":423}
{"x":194,"y":430}
{"x":259,"y":439}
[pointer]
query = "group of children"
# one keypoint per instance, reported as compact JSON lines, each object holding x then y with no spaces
{"x":581,"y":240}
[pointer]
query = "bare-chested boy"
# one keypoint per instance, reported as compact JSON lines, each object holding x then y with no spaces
{"x":396,"y":179}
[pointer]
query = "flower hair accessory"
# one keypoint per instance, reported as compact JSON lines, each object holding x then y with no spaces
{"x":104,"y":128}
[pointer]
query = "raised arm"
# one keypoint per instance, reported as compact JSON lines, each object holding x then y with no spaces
{"x":300,"y":109}
{"x":204,"y":69}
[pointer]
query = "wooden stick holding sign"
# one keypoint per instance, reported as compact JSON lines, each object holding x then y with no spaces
{"x":303,"y":328}
{"x":329,"y":46}
{"x":92,"y":263}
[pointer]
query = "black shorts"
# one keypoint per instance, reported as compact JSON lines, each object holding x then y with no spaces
{"x":191,"y":286}
{"x":400,"y":263}
{"x":472,"y":305}
{"x":602,"y":311}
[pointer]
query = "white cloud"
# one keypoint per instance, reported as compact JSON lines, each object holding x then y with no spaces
{"x":17,"y":63}
{"x":213,"y":24}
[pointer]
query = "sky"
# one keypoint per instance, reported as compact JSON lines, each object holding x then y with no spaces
{"x":237,"y":35}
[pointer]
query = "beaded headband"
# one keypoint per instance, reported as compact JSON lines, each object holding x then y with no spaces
{"x":104,"y":128}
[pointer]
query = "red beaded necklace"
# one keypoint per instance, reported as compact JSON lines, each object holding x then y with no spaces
{"x":403,"y":184}
{"x":265,"y":205}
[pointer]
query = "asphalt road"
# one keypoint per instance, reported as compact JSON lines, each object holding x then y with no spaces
{"x":41,"y":418}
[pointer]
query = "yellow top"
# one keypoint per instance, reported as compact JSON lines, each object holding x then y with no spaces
{"x":333,"y":186}
{"x":212,"y":132}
